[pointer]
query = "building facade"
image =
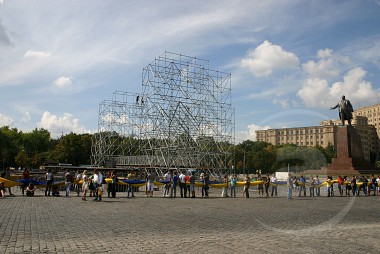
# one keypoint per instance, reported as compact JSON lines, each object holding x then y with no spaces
{"x":323,"y":135}
{"x":372,"y":113}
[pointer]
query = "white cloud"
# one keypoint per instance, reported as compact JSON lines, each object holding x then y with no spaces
{"x":318,"y":93}
{"x":313,"y":92}
{"x":249,"y":134}
{"x":63,"y":81}
{"x":58,"y":125}
{"x":36,"y":54}
{"x":326,"y":67}
{"x":267,"y":58}
{"x":26,"y":117}
{"x":355,"y":86}
{"x":6,"y":121}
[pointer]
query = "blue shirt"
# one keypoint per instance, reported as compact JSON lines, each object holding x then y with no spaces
{"x":175,"y":180}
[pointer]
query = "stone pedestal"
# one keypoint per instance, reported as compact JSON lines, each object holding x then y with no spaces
{"x":350,"y":156}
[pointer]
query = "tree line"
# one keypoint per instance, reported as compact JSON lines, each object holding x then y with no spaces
{"x":32,"y":149}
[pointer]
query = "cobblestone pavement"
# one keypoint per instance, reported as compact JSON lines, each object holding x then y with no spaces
{"x":214,"y":225}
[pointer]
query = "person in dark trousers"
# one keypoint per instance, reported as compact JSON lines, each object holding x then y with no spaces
{"x":247,"y":184}
{"x":182,"y":185}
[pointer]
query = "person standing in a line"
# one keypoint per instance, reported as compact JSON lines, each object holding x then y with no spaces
{"x":225,"y":188}
{"x":354,"y":186}
{"x":289,"y":184}
{"x":233,"y":181}
{"x":247,"y":184}
{"x":150,"y":177}
{"x":114,"y":181}
{"x":97,"y":181}
{"x":312,"y":186}
{"x":192,"y":184}
{"x":260,"y":186}
{"x":85,"y":185}
{"x":130,"y":190}
{"x":173,"y":190}
{"x":49,"y":182}
{"x":78,"y":177}
{"x":274,"y":182}
{"x":317,"y":186}
{"x":182,"y":185}
{"x":267,"y":184}
{"x":68,"y":180}
{"x":206,"y":182}
{"x":302,"y":183}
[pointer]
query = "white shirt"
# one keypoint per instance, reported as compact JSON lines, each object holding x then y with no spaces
{"x":182,"y":178}
{"x":49,"y":176}
{"x":98,"y":178}
{"x":168,"y":177}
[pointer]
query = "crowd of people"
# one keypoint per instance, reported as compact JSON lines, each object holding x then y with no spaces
{"x":94,"y":184}
{"x":368,"y":185}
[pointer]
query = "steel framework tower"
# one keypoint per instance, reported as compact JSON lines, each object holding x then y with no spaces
{"x":182,"y":119}
{"x":118,"y":130}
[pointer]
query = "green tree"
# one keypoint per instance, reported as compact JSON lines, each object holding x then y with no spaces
{"x":242,"y":156}
{"x":37,"y":141}
{"x":73,"y":148}
{"x":22,"y":159}
{"x":262,"y":157}
{"x":10,"y":145}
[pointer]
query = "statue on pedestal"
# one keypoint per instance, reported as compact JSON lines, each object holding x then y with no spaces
{"x":345,"y":110}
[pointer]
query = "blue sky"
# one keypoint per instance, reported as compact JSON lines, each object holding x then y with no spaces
{"x":290,"y":60}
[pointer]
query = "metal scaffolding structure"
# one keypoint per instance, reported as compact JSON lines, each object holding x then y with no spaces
{"x":183,"y":119}
{"x":118,"y":131}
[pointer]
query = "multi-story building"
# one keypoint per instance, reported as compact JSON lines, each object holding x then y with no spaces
{"x":300,"y":136}
{"x":322,"y":135}
{"x":372,"y":113}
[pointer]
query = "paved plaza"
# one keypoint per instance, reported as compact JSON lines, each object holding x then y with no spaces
{"x":215,"y":225}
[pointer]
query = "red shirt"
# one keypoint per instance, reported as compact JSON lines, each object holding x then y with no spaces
{"x":25,"y":174}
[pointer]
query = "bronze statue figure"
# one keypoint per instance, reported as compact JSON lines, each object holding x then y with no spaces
{"x":345,"y":110}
